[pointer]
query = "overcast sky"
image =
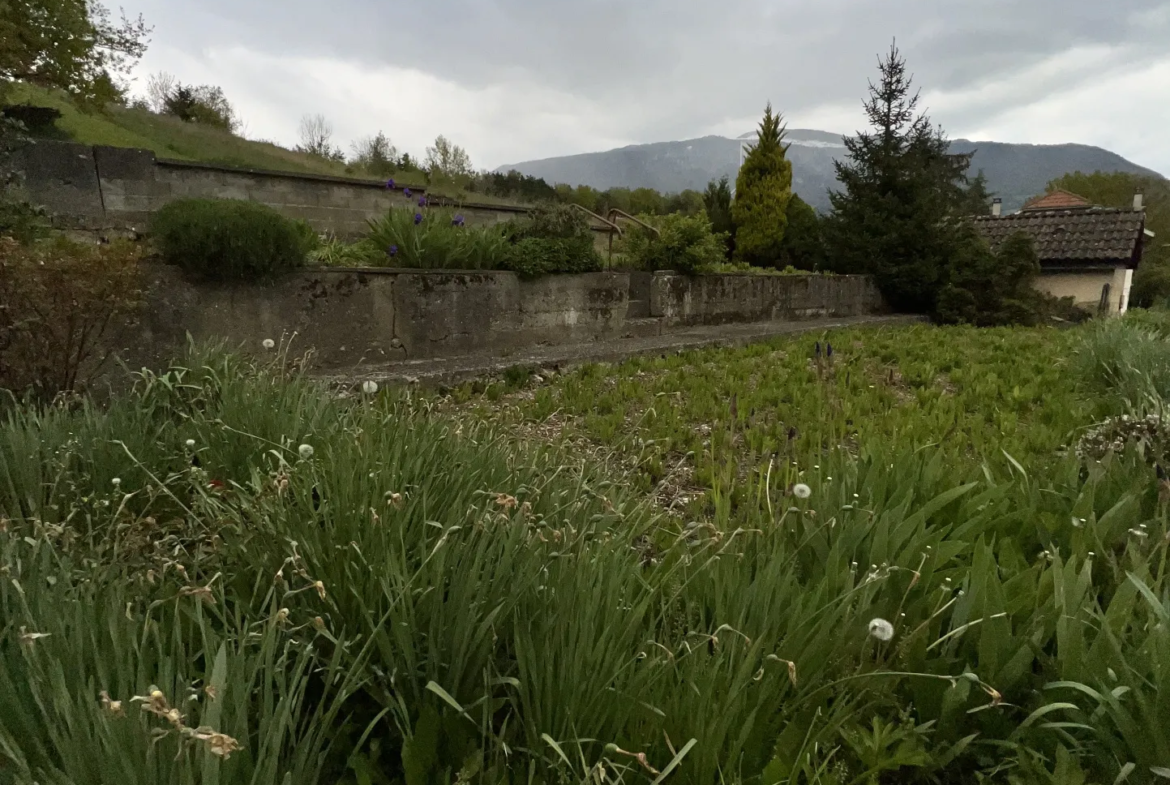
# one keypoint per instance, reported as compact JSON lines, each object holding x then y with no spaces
{"x":515,"y":80}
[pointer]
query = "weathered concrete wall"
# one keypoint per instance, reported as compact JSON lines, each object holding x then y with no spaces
{"x":116,"y":188}
{"x":356,"y":317}
{"x":716,"y":299}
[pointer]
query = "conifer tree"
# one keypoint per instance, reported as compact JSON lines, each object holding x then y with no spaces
{"x":763,"y":190}
{"x":902,"y":188}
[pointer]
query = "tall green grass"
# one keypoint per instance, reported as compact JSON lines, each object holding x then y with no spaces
{"x":378,"y":592}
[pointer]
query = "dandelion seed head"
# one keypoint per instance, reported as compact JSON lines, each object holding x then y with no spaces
{"x":268,"y":343}
{"x":881,"y":629}
{"x":190,"y":444}
{"x":306,"y":451}
{"x":801,"y":491}
{"x":369,"y":387}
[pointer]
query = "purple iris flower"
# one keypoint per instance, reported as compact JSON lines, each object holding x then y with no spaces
{"x":457,"y":220}
{"x":422,"y":201}
{"x":417,"y":218}
{"x":406,"y":192}
{"x":390,"y":184}
{"x":392,"y":251}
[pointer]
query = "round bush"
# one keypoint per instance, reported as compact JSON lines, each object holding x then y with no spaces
{"x":227,"y":239}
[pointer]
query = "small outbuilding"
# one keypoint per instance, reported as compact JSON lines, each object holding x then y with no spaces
{"x":1086,"y":252}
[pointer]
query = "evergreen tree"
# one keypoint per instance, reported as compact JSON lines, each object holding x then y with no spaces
{"x":987,"y":289}
{"x":976,"y":198}
{"x":803,"y":242}
{"x":717,"y":203}
{"x":763,"y":190}
{"x":901,"y":187}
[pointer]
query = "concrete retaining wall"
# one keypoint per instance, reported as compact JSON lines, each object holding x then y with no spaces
{"x":357,"y":317}
{"x":115,"y":189}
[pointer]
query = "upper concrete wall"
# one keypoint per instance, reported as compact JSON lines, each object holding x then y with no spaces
{"x":117,"y":188}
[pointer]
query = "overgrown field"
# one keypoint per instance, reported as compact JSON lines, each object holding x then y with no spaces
{"x":912,"y":560}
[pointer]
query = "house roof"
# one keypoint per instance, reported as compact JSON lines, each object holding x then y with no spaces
{"x":1084,"y":236}
{"x":1057,"y":200}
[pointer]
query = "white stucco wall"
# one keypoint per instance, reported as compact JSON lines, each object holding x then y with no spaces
{"x":1085,"y":288}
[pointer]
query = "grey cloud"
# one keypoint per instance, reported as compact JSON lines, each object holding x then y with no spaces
{"x":665,"y":68}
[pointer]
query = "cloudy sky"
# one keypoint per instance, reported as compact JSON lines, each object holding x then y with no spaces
{"x":515,"y":80}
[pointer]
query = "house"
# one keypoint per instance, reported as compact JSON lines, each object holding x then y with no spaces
{"x":1086,"y":252}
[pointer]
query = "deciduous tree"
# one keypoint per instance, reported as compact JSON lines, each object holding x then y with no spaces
{"x":71,"y":45}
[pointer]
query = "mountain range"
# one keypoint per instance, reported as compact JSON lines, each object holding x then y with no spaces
{"x":1015,"y":172}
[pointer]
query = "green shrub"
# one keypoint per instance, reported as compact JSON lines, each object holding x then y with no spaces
{"x":227,"y":239}
{"x":531,"y":257}
{"x":431,"y":238}
{"x":554,"y":238}
{"x":987,"y":289}
{"x":684,"y":243}
{"x":61,"y":304}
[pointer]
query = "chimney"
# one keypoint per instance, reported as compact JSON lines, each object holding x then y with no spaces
{"x":1137,"y":201}
{"x":996,"y":207}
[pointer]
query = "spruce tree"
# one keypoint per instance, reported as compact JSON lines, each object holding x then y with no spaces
{"x":763,"y":189}
{"x":893,"y":217}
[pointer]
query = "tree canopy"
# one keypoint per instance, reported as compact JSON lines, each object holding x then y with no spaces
{"x":71,"y":45}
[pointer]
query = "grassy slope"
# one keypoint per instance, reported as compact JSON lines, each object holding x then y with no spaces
{"x":169,"y":137}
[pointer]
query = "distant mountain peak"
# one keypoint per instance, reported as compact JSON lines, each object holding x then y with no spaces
{"x":1015,"y":172}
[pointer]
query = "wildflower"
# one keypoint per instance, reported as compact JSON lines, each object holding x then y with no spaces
{"x":369,"y":387}
{"x":406,"y":192}
{"x":190,"y":444}
{"x":320,"y":587}
{"x":219,"y":744}
{"x":422,"y":201}
{"x":268,"y":343}
{"x":506,"y":501}
{"x":881,"y":629}
{"x":393,"y":499}
{"x":319,"y":623}
{"x":392,"y":251}
{"x":418,"y":218}
{"x":390,"y":184}
{"x":306,"y":451}
{"x":116,"y":482}
{"x":828,"y":350}
{"x":801,"y":491}
{"x":457,"y":220}
{"x":112,"y":706}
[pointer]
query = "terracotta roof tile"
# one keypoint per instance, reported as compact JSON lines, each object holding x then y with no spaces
{"x":1057,"y":200}
{"x":1097,"y":234}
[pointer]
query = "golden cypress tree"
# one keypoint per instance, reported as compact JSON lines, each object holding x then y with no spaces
{"x":763,"y":190}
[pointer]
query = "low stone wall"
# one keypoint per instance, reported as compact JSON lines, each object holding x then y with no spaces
{"x":368,"y":316}
{"x":719,"y":299}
